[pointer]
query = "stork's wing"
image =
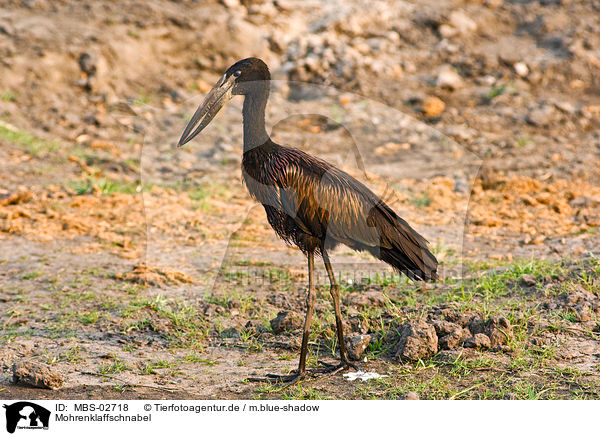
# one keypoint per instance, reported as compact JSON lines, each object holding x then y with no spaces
{"x":329,"y":203}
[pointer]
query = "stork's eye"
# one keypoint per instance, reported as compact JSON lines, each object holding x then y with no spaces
{"x":237,"y":73}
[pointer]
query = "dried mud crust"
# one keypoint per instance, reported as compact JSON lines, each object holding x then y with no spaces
{"x":135,"y":271}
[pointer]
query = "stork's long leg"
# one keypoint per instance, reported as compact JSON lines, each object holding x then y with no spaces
{"x":310,"y":307}
{"x":335,"y":294}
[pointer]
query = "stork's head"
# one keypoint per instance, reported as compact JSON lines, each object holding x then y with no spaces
{"x":242,"y":78}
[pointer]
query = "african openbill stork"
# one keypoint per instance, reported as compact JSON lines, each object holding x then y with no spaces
{"x":309,"y":202}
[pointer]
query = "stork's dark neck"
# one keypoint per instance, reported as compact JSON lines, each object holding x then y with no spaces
{"x":255,"y":102}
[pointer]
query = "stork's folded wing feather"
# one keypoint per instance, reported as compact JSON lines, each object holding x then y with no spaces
{"x":326,"y":202}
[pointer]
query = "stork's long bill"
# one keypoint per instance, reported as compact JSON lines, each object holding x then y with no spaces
{"x":212,"y":104}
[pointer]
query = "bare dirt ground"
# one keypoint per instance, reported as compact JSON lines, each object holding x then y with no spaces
{"x":129,"y":269}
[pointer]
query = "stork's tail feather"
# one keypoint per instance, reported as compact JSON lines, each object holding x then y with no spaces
{"x":402,"y":247}
{"x":423,"y":268}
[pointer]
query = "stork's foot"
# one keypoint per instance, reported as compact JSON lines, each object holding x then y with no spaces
{"x":285,"y":380}
{"x":331,"y":369}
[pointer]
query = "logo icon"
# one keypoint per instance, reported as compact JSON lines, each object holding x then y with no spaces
{"x":26,"y":415}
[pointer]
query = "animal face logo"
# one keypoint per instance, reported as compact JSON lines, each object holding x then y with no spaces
{"x":26,"y":415}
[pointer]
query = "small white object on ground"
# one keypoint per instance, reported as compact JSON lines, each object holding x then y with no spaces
{"x":363,"y":376}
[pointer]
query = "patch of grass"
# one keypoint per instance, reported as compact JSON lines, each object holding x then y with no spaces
{"x":504,"y":277}
{"x":72,"y":355}
{"x":526,"y":390}
{"x":568,"y":315}
{"x":201,"y":195}
{"x":422,"y":200}
{"x":143,"y":98}
{"x":178,"y":322}
{"x":32,"y":275}
{"x":524,"y":141}
{"x":116,"y":367}
{"x":196,"y":358}
{"x":150,"y":367}
{"x":496,"y":91}
{"x":87,"y":318}
{"x":104,"y":185}
{"x":25,"y":140}
{"x":8,"y":96}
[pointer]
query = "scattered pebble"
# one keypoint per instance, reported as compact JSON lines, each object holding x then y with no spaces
{"x":528,"y":280}
{"x":541,"y":116}
{"x":448,"y":78}
{"x":461,"y":185}
{"x":356,"y":345}
{"x":365,"y":298}
{"x":499,"y":330}
{"x":391,"y":148}
{"x":433,"y":106}
{"x":87,"y":64}
{"x":521,"y":69}
{"x":583,"y":313}
{"x":285,"y":321}
{"x":462,"y":22}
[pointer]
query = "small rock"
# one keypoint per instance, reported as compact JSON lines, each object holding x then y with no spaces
{"x":390,"y":148}
{"x":521,"y":69}
{"x":461,"y":132}
{"x":355,"y":324}
{"x":411,"y":396}
{"x":442,"y":328}
{"x":476,"y":324}
{"x":231,"y":332}
{"x":285,"y":321}
{"x":583,"y":202}
{"x":367,"y":298}
{"x":461,"y":185}
{"x":583,"y":313}
{"x":578,"y":295}
{"x":528,"y":280}
{"x":493,"y":4}
{"x":541,"y":116}
{"x":447,"y":31}
{"x":462,"y":22}
{"x":210,"y":309}
{"x":499,"y":331}
{"x":453,"y":339}
{"x":356,"y":345}
{"x":256,"y":326}
{"x":71,"y":118}
{"x":479,"y":341}
{"x":433,"y":106}
{"x":566,"y":106}
{"x":231,"y":3}
{"x":87,"y":64}
{"x":448,"y":78}
{"x":37,"y":374}
{"x":418,"y":340}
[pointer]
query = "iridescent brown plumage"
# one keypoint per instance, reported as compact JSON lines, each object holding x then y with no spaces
{"x":309,"y":202}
